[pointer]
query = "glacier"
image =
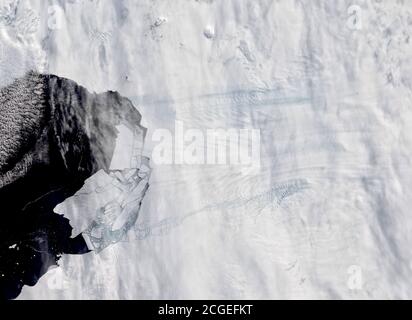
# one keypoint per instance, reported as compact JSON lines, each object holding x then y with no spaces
{"x":329,"y":86}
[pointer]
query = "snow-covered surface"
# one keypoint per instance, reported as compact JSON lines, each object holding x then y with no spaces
{"x":328,"y":83}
